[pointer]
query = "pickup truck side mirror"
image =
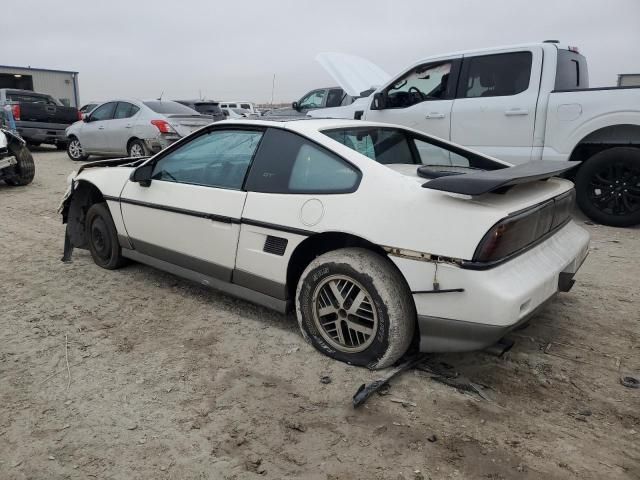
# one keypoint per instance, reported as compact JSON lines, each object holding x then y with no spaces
{"x":142,"y":175}
{"x":295,"y":106}
{"x":379,"y":101}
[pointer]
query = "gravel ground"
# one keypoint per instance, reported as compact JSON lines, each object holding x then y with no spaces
{"x":166,"y":379}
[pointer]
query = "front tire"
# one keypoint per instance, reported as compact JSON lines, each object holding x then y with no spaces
{"x":75,"y":151}
{"x":608,"y":187}
{"x":353,"y":305}
{"x":25,"y":169}
{"x":137,"y":148}
{"x":103,"y":237}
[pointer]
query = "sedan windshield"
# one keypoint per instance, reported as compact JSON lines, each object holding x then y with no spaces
{"x":168,"y":107}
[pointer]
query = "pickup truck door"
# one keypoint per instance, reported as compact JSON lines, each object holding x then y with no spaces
{"x":421,"y":98}
{"x":92,"y":136}
{"x":495,"y":106}
{"x":189,"y":215}
{"x":119,"y":130}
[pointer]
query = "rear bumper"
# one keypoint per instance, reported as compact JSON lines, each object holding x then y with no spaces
{"x":160,"y":142}
{"x":496,"y":300}
{"x":43,"y":135}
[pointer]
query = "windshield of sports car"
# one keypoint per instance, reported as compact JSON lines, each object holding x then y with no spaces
{"x":388,"y":146}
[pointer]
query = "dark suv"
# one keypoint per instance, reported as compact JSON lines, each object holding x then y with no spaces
{"x":205,"y":107}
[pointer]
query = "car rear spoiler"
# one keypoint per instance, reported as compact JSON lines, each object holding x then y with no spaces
{"x":478,"y":183}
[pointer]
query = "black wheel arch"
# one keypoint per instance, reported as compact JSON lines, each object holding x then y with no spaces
{"x":74,"y":211}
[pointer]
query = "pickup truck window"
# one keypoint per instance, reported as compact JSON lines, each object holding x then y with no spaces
{"x":27,"y":98}
{"x":314,"y":99}
{"x":334,"y":98}
{"x":425,"y":82}
{"x":496,"y":75}
{"x":571,"y":71}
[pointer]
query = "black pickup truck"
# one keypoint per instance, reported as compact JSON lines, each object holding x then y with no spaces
{"x":39,"y":118}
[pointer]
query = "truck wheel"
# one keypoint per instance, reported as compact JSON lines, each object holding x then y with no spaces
{"x":74,"y":150}
{"x":25,"y":169}
{"x":353,"y":305}
{"x":137,"y":148}
{"x":608,"y":187}
{"x":103,"y":237}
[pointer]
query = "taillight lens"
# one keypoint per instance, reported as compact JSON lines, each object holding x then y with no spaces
{"x":79,"y":114}
{"x":15,"y":111}
{"x":521,"y":230}
{"x":162,"y":125}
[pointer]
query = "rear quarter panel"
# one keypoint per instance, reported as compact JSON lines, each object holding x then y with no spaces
{"x":572,"y":115}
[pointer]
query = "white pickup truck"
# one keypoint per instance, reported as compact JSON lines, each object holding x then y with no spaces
{"x":518,"y":103}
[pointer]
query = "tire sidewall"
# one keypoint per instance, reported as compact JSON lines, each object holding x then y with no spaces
{"x":304,"y":306}
{"x":583,"y":179}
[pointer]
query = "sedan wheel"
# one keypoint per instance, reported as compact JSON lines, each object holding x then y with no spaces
{"x":353,"y":305}
{"x":75,"y":152}
{"x":102,"y":237}
{"x":137,"y":149}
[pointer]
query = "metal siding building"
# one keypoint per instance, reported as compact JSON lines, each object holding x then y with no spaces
{"x":60,"y":84}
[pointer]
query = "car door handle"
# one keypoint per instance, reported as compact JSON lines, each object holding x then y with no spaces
{"x":516,"y":111}
{"x":434,"y":115}
{"x":128,"y":126}
{"x":100,"y":128}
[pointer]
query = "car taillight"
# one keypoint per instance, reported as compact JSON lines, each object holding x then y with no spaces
{"x":79,"y":113}
{"x":517,"y":232}
{"x":15,"y":111}
{"x":162,"y":125}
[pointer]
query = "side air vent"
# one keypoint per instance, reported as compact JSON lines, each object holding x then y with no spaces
{"x":275,"y":245}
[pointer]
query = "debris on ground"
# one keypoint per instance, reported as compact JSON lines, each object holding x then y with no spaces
{"x":405,"y":403}
{"x":366,"y":390}
{"x":629,"y":381}
{"x":325,"y":379}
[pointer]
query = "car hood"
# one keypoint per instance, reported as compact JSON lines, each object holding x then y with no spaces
{"x":354,"y":74}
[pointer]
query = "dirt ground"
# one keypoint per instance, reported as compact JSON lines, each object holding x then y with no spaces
{"x":167,"y":379}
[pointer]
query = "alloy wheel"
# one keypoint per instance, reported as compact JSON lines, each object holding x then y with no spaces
{"x":344,"y":314}
{"x":75,"y":149}
{"x":615,"y":189}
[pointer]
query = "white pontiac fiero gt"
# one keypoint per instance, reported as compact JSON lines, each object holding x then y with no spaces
{"x":376,"y":234}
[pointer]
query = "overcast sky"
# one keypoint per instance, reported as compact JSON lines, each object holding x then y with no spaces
{"x":231,"y":49}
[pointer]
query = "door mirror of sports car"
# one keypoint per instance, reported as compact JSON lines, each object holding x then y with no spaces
{"x":142,"y":175}
{"x":294,"y":105}
{"x":379,"y":101}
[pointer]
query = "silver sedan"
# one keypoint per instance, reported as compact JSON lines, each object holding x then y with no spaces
{"x":132,"y":128}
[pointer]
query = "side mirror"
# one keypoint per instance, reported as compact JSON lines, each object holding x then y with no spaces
{"x":142,"y":175}
{"x":225,"y":113}
{"x":86,"y":118}
{"x":295,"y":106}
{"x":379,"y":101}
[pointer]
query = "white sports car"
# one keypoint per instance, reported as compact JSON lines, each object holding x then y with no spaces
{"x":378,"y":235}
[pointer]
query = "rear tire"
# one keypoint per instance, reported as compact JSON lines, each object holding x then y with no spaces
{"x":75,"y":151}
{"x":102,"y":238}
{"x":608,"y":187}
{"x":25,"y":169}
{"x":137,"y":148}
{"x":353,"y":305}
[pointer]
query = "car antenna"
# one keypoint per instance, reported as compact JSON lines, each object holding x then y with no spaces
{"x":160,"y":97}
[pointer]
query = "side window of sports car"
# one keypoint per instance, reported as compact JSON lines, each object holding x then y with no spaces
{"x":215,"y":159}
{"x":288,"y":163}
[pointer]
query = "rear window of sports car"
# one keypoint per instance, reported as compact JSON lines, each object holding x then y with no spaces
{"x":390,"y":146}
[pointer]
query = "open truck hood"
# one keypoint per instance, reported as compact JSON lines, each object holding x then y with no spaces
{"x":354,"y":74}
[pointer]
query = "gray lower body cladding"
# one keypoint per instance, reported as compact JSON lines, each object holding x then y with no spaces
{"x":448,"y":335}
